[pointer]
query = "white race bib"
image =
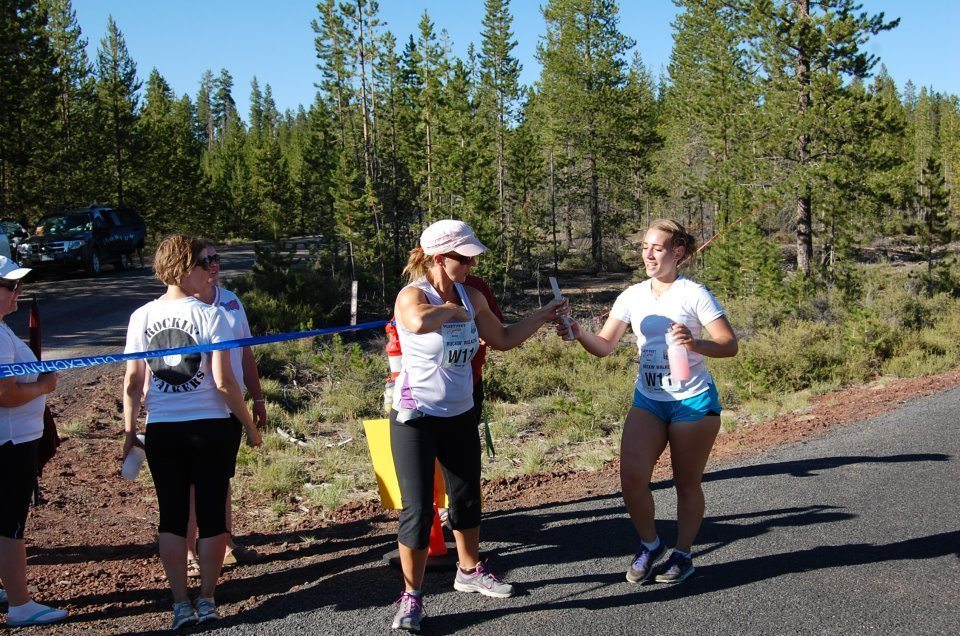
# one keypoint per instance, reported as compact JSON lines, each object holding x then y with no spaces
{"x":655,"y":371}
{"x":460,"y":342}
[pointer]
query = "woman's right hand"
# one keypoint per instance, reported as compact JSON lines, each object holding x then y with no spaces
{"x":458,"y":313}
{"x":129,"y":441}
{"x":254,"y":438}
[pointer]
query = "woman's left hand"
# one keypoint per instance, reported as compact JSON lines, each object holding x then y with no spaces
{"x":259,"y":412}
{"x":681,"y":335}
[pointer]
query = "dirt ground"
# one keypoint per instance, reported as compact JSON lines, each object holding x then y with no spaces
{"x":92,"y":544}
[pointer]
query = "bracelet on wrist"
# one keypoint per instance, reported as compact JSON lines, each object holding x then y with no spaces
{"x":260,"y":401}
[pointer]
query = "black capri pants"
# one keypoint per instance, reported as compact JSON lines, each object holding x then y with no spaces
{"x":197,"y":452}
{"x":18,"y":474}
{"x":415,"y":444}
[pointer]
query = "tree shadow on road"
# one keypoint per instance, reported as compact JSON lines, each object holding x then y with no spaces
{"x":713,"y":578}
{"x":796,"y":468}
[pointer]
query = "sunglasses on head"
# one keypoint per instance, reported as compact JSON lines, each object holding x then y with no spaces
{"x":460,"y":258}
{"x":207,"y":261}
{"x":10,"y":285}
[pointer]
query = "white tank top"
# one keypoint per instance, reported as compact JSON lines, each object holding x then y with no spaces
{"x":435,"y":375}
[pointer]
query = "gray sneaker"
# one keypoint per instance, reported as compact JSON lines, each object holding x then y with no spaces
{"x":183,"y":615}
{"x":410,"y":614}
{"x":643,"y":562}
{"x":207,"y":610}
{"x":483,"y":581}
{"x":676,"y":568}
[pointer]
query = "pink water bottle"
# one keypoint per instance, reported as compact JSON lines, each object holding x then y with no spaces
{"x":677,"y":357}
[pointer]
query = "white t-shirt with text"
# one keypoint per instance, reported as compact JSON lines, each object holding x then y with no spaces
{"x":685,"y":302}
{"x":24,"y":423}
{"x":179,"y":387}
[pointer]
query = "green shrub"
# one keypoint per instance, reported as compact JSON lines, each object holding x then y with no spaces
{"x":279,"y":475}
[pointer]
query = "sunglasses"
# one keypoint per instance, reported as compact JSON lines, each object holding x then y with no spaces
{"x":10,"y":285}
{"x":207,"y":261}
{"x":460,"y":258}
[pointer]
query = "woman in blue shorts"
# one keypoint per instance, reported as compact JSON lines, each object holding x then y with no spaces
{"x":685,"y":414}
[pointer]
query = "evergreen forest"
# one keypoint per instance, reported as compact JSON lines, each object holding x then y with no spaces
{"x":772,"y":125}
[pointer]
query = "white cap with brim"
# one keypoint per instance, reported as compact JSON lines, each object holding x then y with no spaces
{"x":450,"y":235}
{"x":9,"y":270}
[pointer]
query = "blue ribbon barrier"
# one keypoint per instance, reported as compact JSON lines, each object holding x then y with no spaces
{"x":44,"y":366}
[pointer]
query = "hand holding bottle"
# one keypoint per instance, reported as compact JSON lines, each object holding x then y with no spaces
{"x":678,"y":339}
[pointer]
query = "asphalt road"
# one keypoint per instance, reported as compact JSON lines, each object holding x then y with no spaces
{"x":82,"y":315}
{"x":857,"y":532}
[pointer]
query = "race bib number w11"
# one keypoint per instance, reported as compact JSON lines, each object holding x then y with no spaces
{"x":655,"y":371}
{"x":460,"y":343}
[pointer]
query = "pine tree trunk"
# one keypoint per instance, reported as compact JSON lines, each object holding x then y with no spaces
{"x":596,"y":229}
{"x":803,"y":215}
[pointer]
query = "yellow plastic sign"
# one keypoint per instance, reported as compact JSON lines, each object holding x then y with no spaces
{"x":378,"y":441}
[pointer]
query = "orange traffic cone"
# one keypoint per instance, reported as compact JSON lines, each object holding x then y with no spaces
{"x":438,"y":547}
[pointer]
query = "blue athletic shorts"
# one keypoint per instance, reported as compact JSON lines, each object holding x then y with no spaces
{"x":690,"y":409}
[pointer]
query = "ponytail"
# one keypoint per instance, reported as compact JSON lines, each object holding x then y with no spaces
{"x":417,"y":265}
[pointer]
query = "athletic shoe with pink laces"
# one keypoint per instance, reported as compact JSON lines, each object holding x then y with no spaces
{"x":410,"y":614}
{"x":483,"y":581}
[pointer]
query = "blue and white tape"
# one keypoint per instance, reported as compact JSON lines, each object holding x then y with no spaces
{"x":28,"y":368}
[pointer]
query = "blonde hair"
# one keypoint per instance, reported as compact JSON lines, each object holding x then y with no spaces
{"x":418,"y":264}
{"x":679,"y":237}
{"x":176,"y":255}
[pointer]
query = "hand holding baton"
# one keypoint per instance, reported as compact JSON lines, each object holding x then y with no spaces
{"x":566,"y":319}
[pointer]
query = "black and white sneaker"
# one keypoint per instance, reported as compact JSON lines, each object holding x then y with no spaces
{"x":675,"y":569}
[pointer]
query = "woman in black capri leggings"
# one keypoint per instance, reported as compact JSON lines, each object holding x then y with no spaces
{"x":22,"y":400}
{"x":189,"y":399}
{"x":440,"y":322}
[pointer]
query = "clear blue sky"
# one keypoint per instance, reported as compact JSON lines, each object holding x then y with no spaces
{"x":274,"y":41}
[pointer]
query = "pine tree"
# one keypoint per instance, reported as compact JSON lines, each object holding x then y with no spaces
{"x":256,"y":109}
{"x":223,"y":108}
{"x":334,"y":62}
{"x":273,"y":188}
{"x":806,"y":50}
{"x":935,"y":231}
{"x":72,"y":164}
{"x":116,"y":88}
{"x":582,"y":88}
{"x":27,"y":106}
{"x":349,"y":214}
{"x":431,"y":69}
{"x":644,"y":137}
{"x":320,"y":155}
{"x":205,"y":108}
{"x":500,"y":89}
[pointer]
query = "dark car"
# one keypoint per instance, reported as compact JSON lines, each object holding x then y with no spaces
{"x":15,"y":233}
{"x":85,"y":239}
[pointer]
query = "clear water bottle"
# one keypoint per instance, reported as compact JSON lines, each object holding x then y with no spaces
{"x":388,"y":396}
{"x":677,"y":357}
{"x":134,"y":461}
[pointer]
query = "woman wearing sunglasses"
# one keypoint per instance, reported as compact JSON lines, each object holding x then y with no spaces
{"x":245,"y":371}
{"x":22,"y":400}
{"x":189,"y":401}
{"x":440,"y":322}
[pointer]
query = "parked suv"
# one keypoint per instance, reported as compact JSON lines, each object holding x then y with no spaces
{"x":85,"y":239}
